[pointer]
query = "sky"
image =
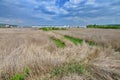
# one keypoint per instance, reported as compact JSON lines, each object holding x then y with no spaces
{"x":60,"y":12}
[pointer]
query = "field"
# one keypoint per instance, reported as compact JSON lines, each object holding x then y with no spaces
{"x":103,"y":37}
{"x":70,"y":54}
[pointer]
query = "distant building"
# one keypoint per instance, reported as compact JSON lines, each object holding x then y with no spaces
{"x":8,"y":26}
{"x":61,"y":26}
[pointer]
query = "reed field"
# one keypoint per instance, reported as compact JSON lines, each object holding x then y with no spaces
{"x":104,"y":37}
{"x":65,"y":54}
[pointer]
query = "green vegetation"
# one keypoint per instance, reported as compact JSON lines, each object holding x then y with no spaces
{"x":58,"y":42}
{"x":104,"y":26}
{"x":26,"y":71}
{"x":20,"y":76}
{"x":91,"y":43}
{"x":51,"y":28}
{"x":76,"y":41}
{"x":67,"y":69}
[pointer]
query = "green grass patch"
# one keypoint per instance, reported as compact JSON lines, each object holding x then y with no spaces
{"x":20,"y":76}
{"x":67,"y":69}
{"x":91,"y":43}
{"x":51,"y":28}
{"x":58,"y":42}
{"x":76,"y":41}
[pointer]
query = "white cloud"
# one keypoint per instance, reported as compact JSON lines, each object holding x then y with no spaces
{"x":76,"y":1}
{"x":51,"y":7}
{"x":77,"y":10}
{"x":69,"y":5}
{"x":90,"y":2}
{"x":77,"y":19}
{"x":11,"y":21}
{"x":93,"y":11}
{"x":63,"y":11}
{"x":43,"y":16}
{"x":73,"y":3}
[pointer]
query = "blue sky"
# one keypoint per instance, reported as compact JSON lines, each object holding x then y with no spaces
{"x":59,"y":12}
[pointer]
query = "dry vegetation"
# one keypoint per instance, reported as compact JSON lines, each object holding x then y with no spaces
{"x":33,"y":49}
{"x":104,"y":37}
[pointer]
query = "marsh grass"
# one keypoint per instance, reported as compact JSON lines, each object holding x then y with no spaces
{"x":102,"y":37}
{"x":21,"y":48}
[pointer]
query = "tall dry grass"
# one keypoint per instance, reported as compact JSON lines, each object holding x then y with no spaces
{"x":21,"y":48}
{"x":104,"y":37}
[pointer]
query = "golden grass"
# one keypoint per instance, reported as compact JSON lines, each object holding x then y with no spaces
{"x":31,"y":48}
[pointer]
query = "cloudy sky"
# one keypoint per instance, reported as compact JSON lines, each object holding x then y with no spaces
{"x":59,"y":12}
